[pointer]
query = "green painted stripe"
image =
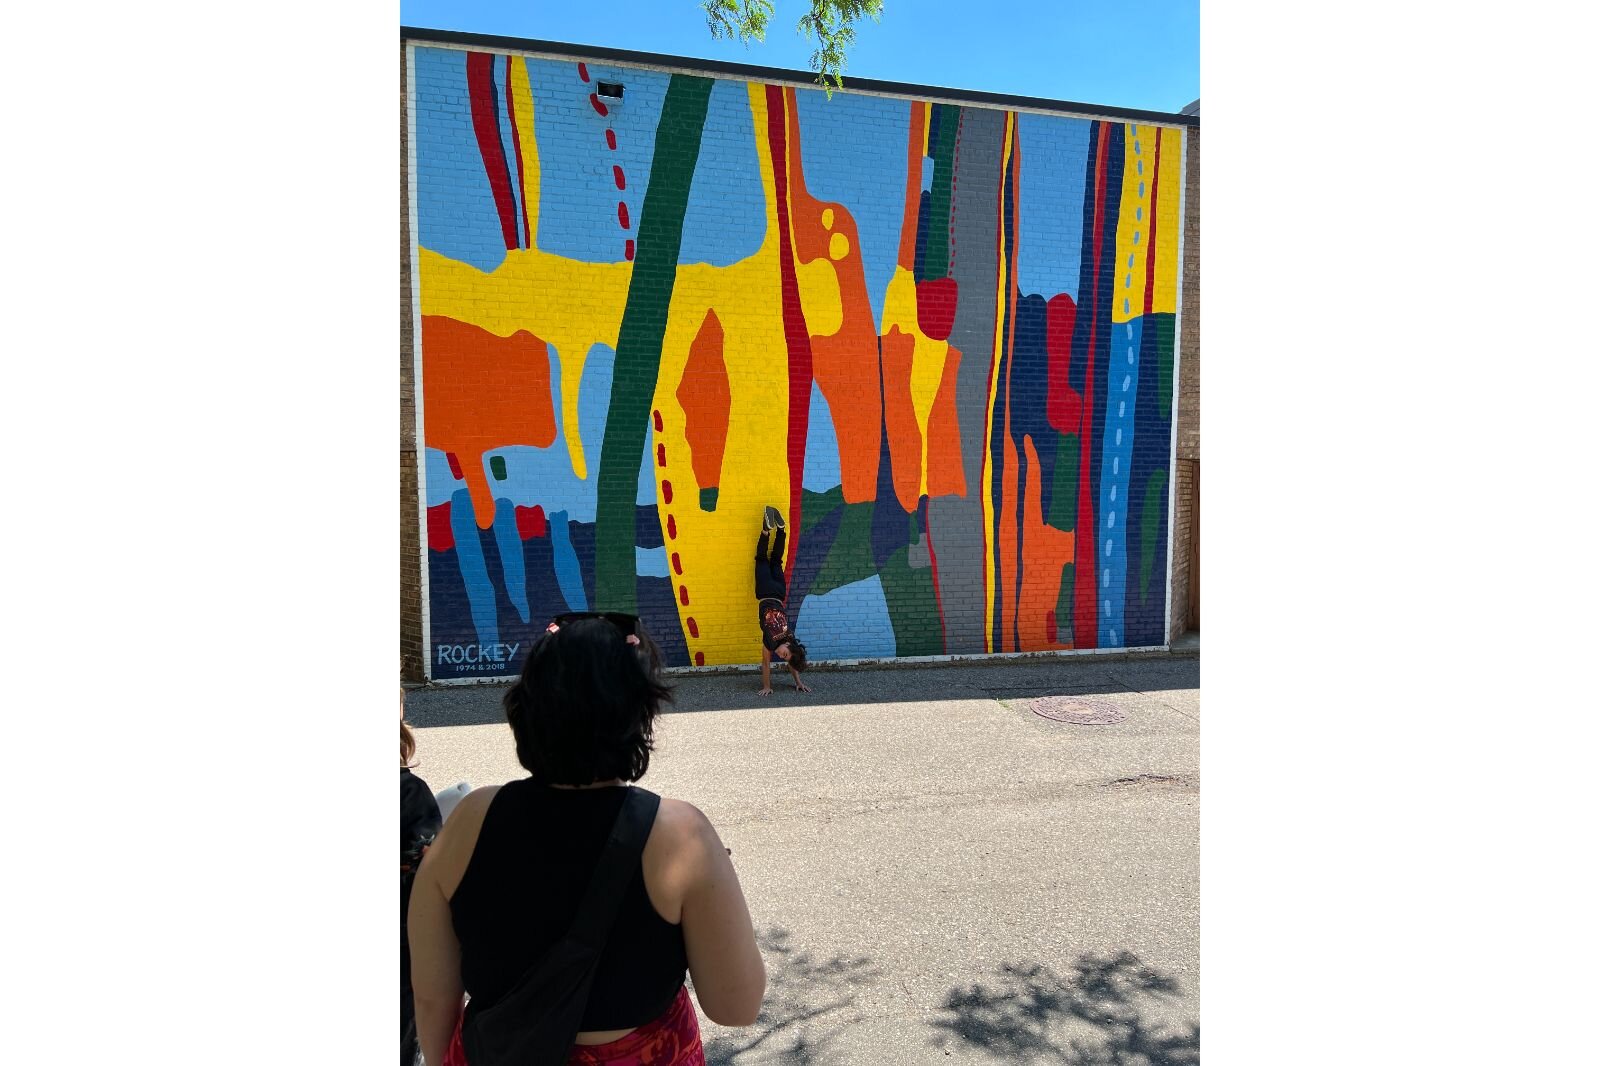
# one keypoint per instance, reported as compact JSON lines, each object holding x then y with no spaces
{"x":913,"y":607}
{"x":936,"y":258}
{"x":644,"y":323}
{"x":1064,"y":485}
{"x":1151,"y":518}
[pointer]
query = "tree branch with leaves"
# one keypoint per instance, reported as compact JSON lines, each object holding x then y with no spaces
{"x":831,"y":23}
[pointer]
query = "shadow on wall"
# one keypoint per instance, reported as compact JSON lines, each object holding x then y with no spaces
{"x":1091,"y":1017}
{"x":445,"y":705}
{"x":808,"y":1004}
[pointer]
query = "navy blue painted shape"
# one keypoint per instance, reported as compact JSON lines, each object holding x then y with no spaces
{"x":1145,"y":614}
{"x":658,"y":610}
{"x":582,"y":534}
{"x":809,"y":557}
{"x":1077,"y":372}
{"x":918,"y":268}
{"x":1103,"y":310}
{"x":647,"y":527}
{"x":890,"y":530}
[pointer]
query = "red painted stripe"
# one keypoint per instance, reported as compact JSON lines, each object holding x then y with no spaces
{"x":933,"y":562}
{"x":677,"y":564}
{"x":694,"y":630}
{"x":657,"y":415}
{"x":672,"y":527}
{"x":440,"y":538}
{"x":611,"y":139}
{"x":627,"y":250}
{"x":661,"y":455}
{"x":486,"y":125}
{"x":516,"y":143}
{"x":699,"y":658}
{"x":666,"y":491}
{"x":683,"y":595}
{"x":455,"y":465}
{"x":1150,"y":246}
{"x":617,"y":176}
{"x":1085,"y":608}
{"x":796,"y":337}
{"x":622,"y":214}
{"x":583,"y":71}
{"x":594,"y":100}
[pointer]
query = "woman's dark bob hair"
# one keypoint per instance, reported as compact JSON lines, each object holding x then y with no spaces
{"x":585,"y":707}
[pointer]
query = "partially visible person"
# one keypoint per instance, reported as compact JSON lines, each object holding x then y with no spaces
{"x":772,"y":594}
{"x":505,"y":879}
{"x":419,"y":822}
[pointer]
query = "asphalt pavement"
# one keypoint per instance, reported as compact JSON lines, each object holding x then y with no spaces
{"x":937,"y":873}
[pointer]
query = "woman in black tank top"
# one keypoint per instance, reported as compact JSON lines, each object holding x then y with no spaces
{"x":504,"y":881}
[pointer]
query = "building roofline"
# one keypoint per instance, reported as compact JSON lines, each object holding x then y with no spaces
{"x":754,"y":72}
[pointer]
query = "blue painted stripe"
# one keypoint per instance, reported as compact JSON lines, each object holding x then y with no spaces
{"x":569,"y":574}
{"x":512,"y":566}
{"x":1111,"y":537}
{"x":651,"y":562}
{"x":474,"y":570}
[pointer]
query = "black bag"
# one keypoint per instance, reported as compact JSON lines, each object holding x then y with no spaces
{"x":534,"y":1023}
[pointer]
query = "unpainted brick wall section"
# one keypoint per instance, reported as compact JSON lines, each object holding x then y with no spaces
{"x":1188,"y":427}
{"x":410,"y":521}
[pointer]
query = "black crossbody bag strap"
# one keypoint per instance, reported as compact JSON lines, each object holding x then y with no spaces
{"x":614,"y":871}
{"x":535,"y":1021}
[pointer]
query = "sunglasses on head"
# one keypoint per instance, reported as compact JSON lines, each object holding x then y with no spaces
{"x":627,"y":623}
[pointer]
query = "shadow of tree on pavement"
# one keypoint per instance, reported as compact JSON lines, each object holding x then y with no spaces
{"x":1090,"y":1017}
{"x":808,"y":1001}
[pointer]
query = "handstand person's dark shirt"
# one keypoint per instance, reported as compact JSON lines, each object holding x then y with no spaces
{"x":774,"y":622}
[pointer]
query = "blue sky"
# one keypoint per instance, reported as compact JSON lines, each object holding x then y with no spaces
{"x":1133,"y":53}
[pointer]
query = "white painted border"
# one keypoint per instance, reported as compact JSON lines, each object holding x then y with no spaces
{"x":1148,"y":651}
{"x":701,"y":72}
{"x":1177,"y":382}
{"x":416,"y":357}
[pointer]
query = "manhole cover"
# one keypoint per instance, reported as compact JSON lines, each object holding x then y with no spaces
{"x":1078,"y":710}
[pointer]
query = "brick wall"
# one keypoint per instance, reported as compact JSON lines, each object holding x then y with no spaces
{"x":1188,"y":452}
{"x":938,"y":337}
{"x":411,"y":645}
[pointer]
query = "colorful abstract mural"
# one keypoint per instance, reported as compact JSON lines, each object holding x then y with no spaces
{"x":939,"y":338}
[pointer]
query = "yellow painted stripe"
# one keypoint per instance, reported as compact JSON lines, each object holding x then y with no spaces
{"x":1169,"y":221}
{"x":990,"y":548}
{"x":1133,"y":222}
{"x":522,"y":115}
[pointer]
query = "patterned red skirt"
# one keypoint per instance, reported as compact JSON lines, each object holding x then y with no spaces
{"x":671,"y":1040}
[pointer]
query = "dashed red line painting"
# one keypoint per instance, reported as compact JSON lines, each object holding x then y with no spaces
{"x":617,"y":174}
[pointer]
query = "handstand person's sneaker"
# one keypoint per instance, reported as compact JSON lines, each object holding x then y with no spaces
{"x":773,"y":519}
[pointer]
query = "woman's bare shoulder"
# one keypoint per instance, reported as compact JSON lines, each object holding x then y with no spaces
{"x":683,"y":825}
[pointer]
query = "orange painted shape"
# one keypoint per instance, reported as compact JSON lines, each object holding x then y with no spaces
{"x":704,"y":395}
{"x":913,"y":205}
{"x":843,"y":363}
{"x":484,"y":392}
{"x":900,"y":418}
{"x":1045,"y":551}
{"x":945,"y":474}
{"x":1008,"y":544}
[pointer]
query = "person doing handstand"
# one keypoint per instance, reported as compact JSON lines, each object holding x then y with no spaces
{"x":772,"y":592}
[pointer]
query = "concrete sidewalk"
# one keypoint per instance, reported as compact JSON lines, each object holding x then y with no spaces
{"x":937,"y":874}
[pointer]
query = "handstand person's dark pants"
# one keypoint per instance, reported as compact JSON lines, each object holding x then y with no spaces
{"x":769,"y":567}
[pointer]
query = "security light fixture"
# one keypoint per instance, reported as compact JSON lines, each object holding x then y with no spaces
{"x":611,"y":90}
